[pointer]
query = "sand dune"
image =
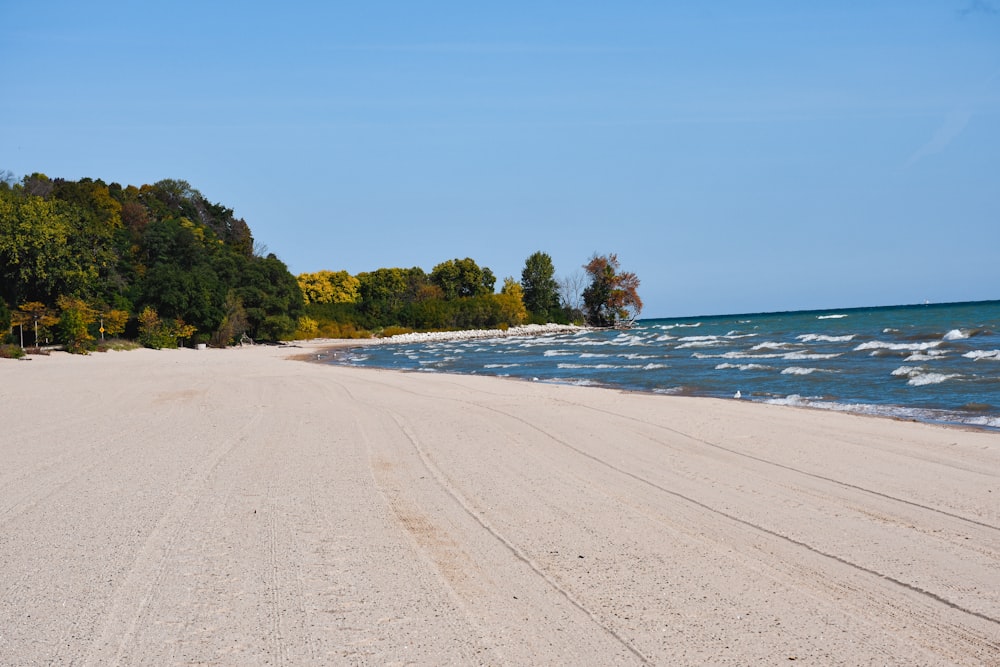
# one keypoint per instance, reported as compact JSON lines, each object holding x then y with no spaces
{"x":235,"y":507}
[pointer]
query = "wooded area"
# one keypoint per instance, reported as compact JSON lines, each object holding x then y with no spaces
{"x":84,"y":260}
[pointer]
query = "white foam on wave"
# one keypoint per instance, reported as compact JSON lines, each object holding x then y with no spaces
{"x":558,"y":353}
{"x":919,"y":376}
{"x":923,"y":414}
{"x":653,"y":367}
{"x":600,"y":367}
{"x":627,"y":339}
{"x":830,"y":317}
{"x":634,"y":356}
{"x":921,"y":356}
{"x":501,"y":365}
{"x":800,"y":370}
{"x":990,"y":422}
{"x":897,"y":347}
{"x":712,"y":342}
{"x":744,"y":367}
{"x":664,"y":338}
{"x":929,"y":378}
{"x":772,"y":345}
{"x":808,"y":356}
{"x":736,"y":355}
{"x":976,"y":355}
{"x":593,"y":355}
{"x":823,"y":338}
{"x":956,"y":334}
{"x":688,"y":326}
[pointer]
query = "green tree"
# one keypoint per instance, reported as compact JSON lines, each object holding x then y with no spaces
{"x":541,"y":291}
{"x":462,"y":278}
{"x":271,"y":297}
{"x":234,"y":321}
{"x":384,"y":292}
{"x":39,"y":258}
{"x":158,"y":333}
{"x":612,"y":298}
{"x":5,"y":321}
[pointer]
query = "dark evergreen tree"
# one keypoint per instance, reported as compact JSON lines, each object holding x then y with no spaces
{"x":541,"y":291}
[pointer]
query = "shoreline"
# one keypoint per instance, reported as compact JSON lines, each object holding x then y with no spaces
{"x":477,"y":334}
{"x":326,"y":351}
{"x":935,"y":416}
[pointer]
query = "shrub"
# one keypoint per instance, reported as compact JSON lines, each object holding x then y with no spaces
{"x":394,"y":331}
{"x":117,"y":344}
{"x":11,"y":352}
{"x":158,"y":334}
{"x":73,"y":324}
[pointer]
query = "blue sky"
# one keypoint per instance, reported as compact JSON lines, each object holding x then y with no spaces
{"x":738,"y":156}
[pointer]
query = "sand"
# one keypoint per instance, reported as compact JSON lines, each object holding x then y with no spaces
{"x":235,"y":507}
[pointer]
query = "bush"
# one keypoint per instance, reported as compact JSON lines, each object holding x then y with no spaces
{"x":117,"y":344}
{"x":342,"y":330}
{"x":388,"y":332}
{"x":11,"y":352}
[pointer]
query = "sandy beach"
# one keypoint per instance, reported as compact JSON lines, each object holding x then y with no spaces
{"x":239,"y":507}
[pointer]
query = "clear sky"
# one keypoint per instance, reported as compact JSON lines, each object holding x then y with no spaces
{"x":738,"y":156}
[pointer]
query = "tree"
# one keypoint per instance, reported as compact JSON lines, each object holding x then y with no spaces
{"x":541,"y":291}
{"x":36,"y":314}
{"x":463,"y":278}
{"x":384,"y":292}
{"x":511,"y":299}
{"x":38,"y":257}
{"x":113,"y":322}
{"x":234,"y":322}
{"x":611,"y":299}
{"x":158,"y":333}
{"x":271,"y":297}
{"x":571,"y":293}
{"x":329,"y":287}
{"x":5,"y":322}
{"x":75,"y":317}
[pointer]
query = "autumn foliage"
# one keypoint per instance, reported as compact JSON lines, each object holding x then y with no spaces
{"x":612,"y":298}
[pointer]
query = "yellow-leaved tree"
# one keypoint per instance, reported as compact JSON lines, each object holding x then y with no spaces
{"x":511,"y":300}
{"x":36,"y":315}
{"x":75,"y":318}
{"x":329,"y":287}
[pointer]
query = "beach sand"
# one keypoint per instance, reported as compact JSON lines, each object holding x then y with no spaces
{"x":236,"y":507}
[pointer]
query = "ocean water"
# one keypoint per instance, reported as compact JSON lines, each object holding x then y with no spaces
{"x":935,"y":363}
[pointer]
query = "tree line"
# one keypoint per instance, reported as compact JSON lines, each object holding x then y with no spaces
{"x":81,"y":261}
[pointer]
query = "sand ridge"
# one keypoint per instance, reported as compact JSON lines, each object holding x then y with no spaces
{"x":237,"y":507}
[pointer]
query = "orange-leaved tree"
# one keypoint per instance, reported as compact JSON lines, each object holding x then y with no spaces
{"x":612,"y":298}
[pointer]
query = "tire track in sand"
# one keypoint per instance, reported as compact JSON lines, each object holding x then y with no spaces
{"x":441,"y":479}
{"x":139,"y":586}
